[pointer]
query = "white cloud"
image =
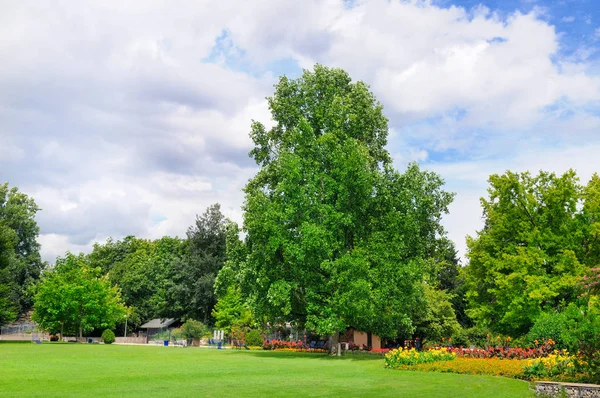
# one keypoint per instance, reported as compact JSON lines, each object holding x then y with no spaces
{"x":111,"y":117}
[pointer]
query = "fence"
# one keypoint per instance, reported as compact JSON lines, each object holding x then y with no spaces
{"x":131,"y":340}
{"x":25,"y":336}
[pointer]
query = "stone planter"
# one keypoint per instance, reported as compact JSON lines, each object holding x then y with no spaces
{"x":552,"y":389}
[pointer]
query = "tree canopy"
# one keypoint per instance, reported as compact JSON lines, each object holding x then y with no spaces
{"x":193,"y":276}
{"x":75,"y":297}
{"x":335,"y":236}
{"x":540,"y":236}
{"x":20,"y":261}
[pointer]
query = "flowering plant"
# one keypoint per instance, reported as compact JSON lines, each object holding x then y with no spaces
{"x":558,"y":365}
{"x":401,"y":356}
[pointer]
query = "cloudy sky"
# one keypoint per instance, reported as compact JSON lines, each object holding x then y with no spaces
{"x":130,"y":117}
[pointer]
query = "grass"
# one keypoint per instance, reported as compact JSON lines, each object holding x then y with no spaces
{"x":82,"y":370}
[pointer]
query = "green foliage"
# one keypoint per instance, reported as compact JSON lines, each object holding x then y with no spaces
{"x":550,"y":325}
{"x":192,"y":329}
{"x":435,"y":318}
{"x":108,"y":336}
{"x":232,"y":311}
{"x":254,"y":338}
{"x":192,"y":290}
{"x":582,"y":335}
{"x":539,"y":237}
{"x":335,"y":236}
{"x":142,"y":270}
{"x":74,"y":297}
{"x":20,"y":262}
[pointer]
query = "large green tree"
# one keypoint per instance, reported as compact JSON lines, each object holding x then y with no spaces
{"x":76,"y":298}
{"x":142,"y":270}
{"x":335,"y":236}
{"x":192,"y":292}
{"x":20,"y":261}
{"x":540,"y":235}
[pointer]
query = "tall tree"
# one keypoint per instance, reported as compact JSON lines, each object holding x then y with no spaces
{"x":192,"y":291}
{"x":76,"y":298}
{"x":142,"y":269}
{"x":20,"y":261}
{"x":335,"y":236}
{"x":535,"y":244}
{"x":8,"y":308}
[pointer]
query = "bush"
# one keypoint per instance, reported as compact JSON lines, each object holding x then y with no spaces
{"x":477,"y":337}
{"x":254,"y":338}
{"x":192,"y":329}
{"x":548,"y":326}
{"x":108,"y":336}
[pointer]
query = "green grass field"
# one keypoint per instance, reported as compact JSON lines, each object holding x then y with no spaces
{"x":80,"y":370}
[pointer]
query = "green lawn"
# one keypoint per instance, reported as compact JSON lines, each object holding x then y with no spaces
{"x":81,"y":370}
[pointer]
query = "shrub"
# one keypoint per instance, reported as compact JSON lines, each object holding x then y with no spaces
{"x":476,"y":336}
{"x":108,"y":336}
{"x":548,"y":326}
{"x":192,"y":329}
{"x":253,"y":338}
{"x":400,"y":356}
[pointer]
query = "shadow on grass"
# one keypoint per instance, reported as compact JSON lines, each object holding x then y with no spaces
{"x":15,"y":342}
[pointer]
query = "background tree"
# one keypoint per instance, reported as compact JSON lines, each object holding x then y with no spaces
{"x":142,"y":270}
{"x":231,"y":311}
{"x":533,"y":248}
{"x":335,"y":236}
{"x":193,"y":276}
{"x":8,"y":307}
{"x":20,"y":261}
{"x":435,"y":318}
{"x":74,"y":297}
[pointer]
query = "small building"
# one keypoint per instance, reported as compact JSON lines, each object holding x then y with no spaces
{"x":156,"y":326}
{"x":360,"y":338}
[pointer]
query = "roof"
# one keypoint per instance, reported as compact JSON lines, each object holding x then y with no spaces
{"x":158,"y":323}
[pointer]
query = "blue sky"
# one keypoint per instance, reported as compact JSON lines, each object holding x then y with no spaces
{"x":130,"y":118}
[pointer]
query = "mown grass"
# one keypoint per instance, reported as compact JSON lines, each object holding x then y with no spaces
{"x":81,"y":370}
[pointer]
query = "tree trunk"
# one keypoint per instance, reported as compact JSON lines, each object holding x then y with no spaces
{"x":333,"y":342}
{"x":80,"y":332}
{"x":62,"y":329}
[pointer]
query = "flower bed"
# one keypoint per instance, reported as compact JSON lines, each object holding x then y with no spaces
{"x":410,"y":357}
{"x":499,"y":352}
{"x":474,"y":366}
{"x":290,"y":346}
{"x":559,"y":366}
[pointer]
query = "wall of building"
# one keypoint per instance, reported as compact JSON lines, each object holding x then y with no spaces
{"x":361,"y":338}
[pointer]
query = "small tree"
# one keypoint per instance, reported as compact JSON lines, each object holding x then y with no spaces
{"x":192,"y":329}
{"x":75,"y":297}
{"x":231,"y":312}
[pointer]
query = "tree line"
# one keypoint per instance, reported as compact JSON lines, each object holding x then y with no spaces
{"x":333,"y":236}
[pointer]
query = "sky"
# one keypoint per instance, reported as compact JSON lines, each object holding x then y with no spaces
{"x":131,"y":117}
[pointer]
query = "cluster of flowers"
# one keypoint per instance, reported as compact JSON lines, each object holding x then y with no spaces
{"x":410,"y":357}
{"x":472,"y":366}
{"x":292,"y":346}
{"x":559,"y":365}
{"x":540,"y":351}
{"x":380,"y":350}
{"x":280,"y":344}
